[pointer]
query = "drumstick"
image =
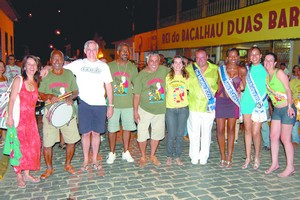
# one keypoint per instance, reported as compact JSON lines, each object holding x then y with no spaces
{"x":62,"y":97}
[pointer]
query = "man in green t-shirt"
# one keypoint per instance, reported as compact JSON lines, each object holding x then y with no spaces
{"x":123,"y":73}
{"x":53,"y":87}
{"x":149,"y":106}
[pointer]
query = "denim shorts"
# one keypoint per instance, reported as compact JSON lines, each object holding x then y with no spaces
{"x":91,"y":118}
{"x":281,"y":115}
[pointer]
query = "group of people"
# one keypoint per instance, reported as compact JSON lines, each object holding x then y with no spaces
{"x":182,"y":96}
{"x":7,"y":74}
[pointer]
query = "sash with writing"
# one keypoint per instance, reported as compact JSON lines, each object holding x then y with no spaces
{"x":259,"y":113}
{"x":230,"y":89}
{"x":211,"y":105}
{"x":277,"y":95}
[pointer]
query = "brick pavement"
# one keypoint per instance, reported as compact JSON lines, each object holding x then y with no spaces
{"x":124,"y":180}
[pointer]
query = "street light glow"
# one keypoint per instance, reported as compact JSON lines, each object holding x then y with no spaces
{"x":57,"y":32}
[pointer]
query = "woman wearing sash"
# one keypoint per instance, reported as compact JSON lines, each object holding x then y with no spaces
{"x":254,"y":105}
{"x":283,"y":117}
{"x":231,"y":83}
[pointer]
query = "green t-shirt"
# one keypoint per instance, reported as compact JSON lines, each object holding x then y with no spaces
{"x":151,"y":87}
{"x":123,"y":77}
{"x":58,"y":85}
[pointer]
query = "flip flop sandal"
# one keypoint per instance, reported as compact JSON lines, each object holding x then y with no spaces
{"x":32,"y":179}
{"x":70,"y":169}
{"x":47,"y":173}
{"x":96,"y":166}
{"x":85,"y":167}
{"x":21,"y":185}
{"x":62,"y":146}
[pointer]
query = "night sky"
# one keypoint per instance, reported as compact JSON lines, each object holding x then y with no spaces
{"x":78,"y":22}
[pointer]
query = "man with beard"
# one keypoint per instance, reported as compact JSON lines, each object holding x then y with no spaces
{"x":123,"y":73}
{"x":58,"y":82}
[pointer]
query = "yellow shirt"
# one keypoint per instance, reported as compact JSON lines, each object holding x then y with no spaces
{"x":176,"y":92}
{"x":295,"y":87}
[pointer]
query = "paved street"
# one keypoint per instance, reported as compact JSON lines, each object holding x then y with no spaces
{"x":124,"y":180}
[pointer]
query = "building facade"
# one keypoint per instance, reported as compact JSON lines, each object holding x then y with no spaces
{"x":8,"y":16}
{"x":272,"y":25}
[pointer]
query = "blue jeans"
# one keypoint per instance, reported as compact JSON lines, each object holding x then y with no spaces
{"x":185,"y":131}
{"x":176,"y":119}
{"x":295,"y":133}
{"x":265,"y":132}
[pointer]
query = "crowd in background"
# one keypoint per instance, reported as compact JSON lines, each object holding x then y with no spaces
{"x":186,"y":96}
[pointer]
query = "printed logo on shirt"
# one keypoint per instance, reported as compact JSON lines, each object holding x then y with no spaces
{"x":91,"y":70}
{"x":156,"y":92}
{"x":120,"y":83}
{"x":178,"y":94}
{"x":58,"y":88}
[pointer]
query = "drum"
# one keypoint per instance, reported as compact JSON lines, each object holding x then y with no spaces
{"x":60,"y":114}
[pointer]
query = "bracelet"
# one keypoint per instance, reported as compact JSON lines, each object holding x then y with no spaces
{"x":289,"y":106}
{"x":111,"y":105}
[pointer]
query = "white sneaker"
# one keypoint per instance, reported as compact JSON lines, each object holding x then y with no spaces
{"x":203,"y":162}
{"x":126,"y":156}
{"x":194,"y":161}
{"x":111,"y":158}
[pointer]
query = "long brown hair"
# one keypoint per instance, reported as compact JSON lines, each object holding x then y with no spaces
{"x":36,"y":75}
{"x":184,"y":72}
